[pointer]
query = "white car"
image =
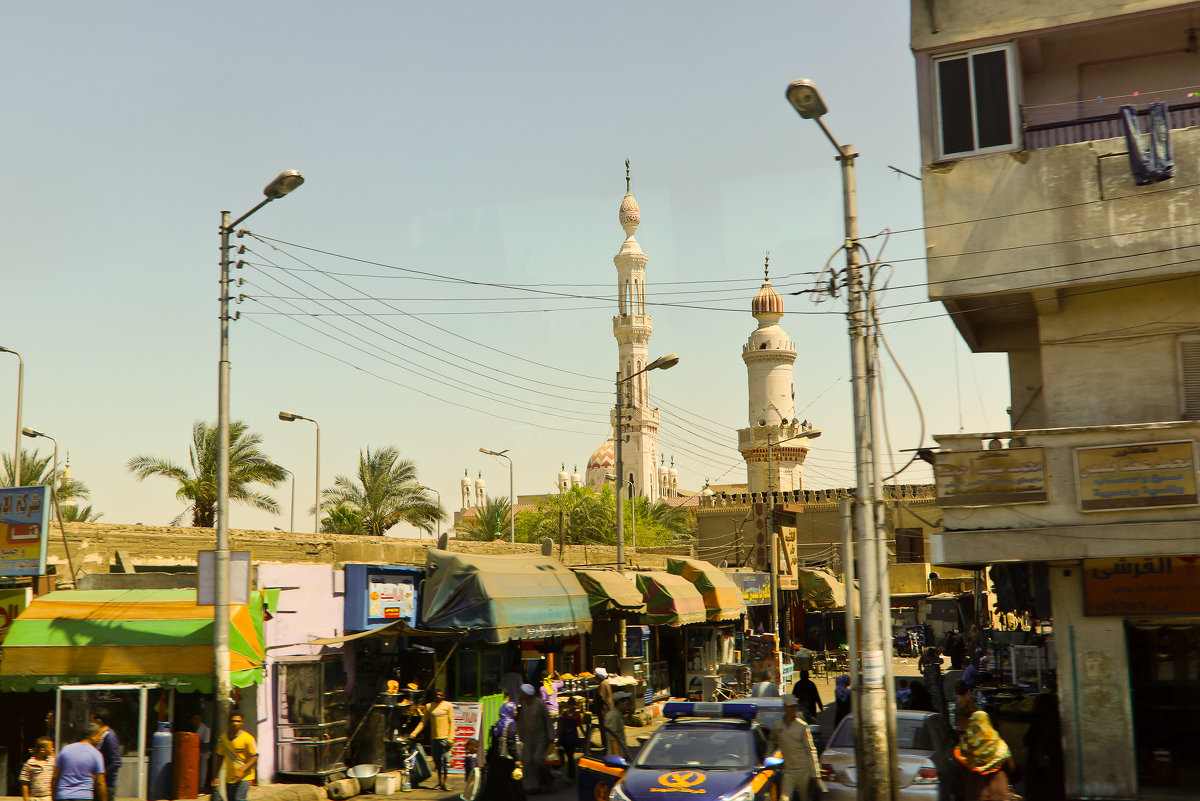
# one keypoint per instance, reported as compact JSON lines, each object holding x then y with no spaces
{"x":924,"y":746}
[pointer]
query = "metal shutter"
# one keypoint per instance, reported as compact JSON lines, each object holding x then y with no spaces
{"x":1189,"y":372}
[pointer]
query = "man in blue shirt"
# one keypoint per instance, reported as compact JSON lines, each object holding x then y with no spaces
{"x":110,"y":749}
{"x":79,"y":770}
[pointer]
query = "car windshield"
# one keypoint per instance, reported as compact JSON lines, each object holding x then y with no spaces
{"x":910,"y":733}
{"x":699,"y":747}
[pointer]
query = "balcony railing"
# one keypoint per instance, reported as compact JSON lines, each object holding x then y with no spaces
{"x":1104,"y":126}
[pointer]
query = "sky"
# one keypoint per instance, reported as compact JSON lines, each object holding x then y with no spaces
{"x":449,"y":148}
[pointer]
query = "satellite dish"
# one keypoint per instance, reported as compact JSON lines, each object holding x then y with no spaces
{"x":443,"y":540}
{"x":547,"y":546}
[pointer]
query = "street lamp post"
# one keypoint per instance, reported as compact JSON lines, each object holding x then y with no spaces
{"x":661,"y":363}
{"x":874,"y":757}
{"x":512,"y":498}
{"x":32,"y":434}
{"x":439,"y":503}
{"x":16,"y":471}
{"x":633,"y":512}
{"x":282,"y":184}
{"x":292,"y":508}
{"x":289,"y":417}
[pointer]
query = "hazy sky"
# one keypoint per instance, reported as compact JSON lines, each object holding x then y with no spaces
{"x":447,"y":147}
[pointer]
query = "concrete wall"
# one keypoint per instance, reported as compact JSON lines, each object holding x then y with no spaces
{"x":1093,"y":694}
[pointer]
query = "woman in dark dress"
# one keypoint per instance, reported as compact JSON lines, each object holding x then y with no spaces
{"x":841,"y":698}
{"x":503,"y":758}
{"x":984,"y":762}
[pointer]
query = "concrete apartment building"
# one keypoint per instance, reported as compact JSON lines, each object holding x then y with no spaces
{"x":1043,"y":246}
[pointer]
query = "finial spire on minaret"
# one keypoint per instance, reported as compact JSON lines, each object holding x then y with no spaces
{"x":767,"y":267}
{"x":627,"y":190}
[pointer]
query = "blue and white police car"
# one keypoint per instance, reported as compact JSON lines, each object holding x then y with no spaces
{"x":705,"y":752}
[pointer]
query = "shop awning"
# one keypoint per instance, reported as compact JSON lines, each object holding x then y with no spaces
{"x":670,"y":600}
{"x":722,"y":598}
{"x":502,"y":598}
{"x":610,"y":591}
{"x":821,"y":590}
{"x":107,"y":636}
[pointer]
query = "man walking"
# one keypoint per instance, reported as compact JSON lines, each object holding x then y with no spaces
{"x":241,"y":750}
{"x":110,"y":749}
{"x":79,"y":769}
{"x":614,"y":725}
{"x":801,"y":773}
{"x":808,"y":699}
{"x":37,"y":774}
{"x":439,"y":718}
{"x":537,"y":733}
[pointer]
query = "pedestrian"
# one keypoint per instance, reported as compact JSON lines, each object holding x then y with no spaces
{"x":241,"y":750}
{"x":601,"y":706}
{"x":537,"y":733}
{"x":513,"y":680}
{"x":439,"y":720}
{"x":79,"y":769}
{"x":791,"y":735}
{"x":841,"y":698}
{"x":570,"y":724}
{"x":919,"y":697}
{"x":956,"y":649}
{"x":37,"y":774}
{"x":808,"y":699}
{"x":930,"y":665}
{"x":205,"y":734}
{"x":110,"y":749}
{"x":614,"y":725}
{"x":964,"y":706}
{"x":502,"y":774}
{"x":984,"y":762}
{"x":1043,"y":749}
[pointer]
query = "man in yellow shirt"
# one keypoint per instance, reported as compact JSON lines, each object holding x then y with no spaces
{"x":439,"y":717}
{"x":241,"y":750}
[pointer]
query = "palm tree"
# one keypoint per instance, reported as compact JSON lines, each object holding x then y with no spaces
{"x":73,"y":514}
{"x":35,"y":470}
{"x":671,"y":517}
{"x":489,"y":521}
{"x":247,"y":465}
{"x":38,"y":471}
{"x":587,"y":515}
{"x":342,"y":520}
{"x":385,"y":493}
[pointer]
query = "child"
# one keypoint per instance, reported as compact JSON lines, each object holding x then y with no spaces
{"x":38,"y":772}
{"x":570,"y":724}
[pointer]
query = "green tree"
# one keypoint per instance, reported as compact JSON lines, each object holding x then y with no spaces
{"x":386,"y":492}
{"x":587,"y":516}
{"x":74,"y":514}
{"x":342,"y":519}
{"x":489,"y":521}
{"x":248,"y":465}
{"x":35,"y":469}
{"x":39,"y":470}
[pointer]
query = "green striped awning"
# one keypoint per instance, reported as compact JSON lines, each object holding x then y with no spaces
{"x":670,"y":600}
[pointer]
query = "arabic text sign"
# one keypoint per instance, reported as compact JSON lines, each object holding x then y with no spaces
{"x":1140,"y":476}
{"x":987,"y":478}
{"x":1154,"y":585}
{"x":12,"y":603}
{"x":24,"y":519}
{"x":467,"y":726}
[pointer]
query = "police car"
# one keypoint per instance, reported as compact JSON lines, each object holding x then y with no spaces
{"x":705,"y":752}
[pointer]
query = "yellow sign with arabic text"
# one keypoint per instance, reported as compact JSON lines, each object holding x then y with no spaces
{"x":1139,"y":476}
{"x":1151,"y":585}
{"x":680,"y":781}
{"x":991,"y":477}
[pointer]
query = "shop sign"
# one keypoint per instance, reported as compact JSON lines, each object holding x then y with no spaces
{"x":377,"y":595}
{"x":1154,"y":585}
{"x":24,"y":521}
{"x":468,"y":717}
{"x":755,"y":587}
{"x":12,"y":603}
{"x":1140,"y":476}
{"x":991,"y":477}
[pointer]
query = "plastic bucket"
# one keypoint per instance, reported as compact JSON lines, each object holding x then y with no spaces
{"x":366,"y":776}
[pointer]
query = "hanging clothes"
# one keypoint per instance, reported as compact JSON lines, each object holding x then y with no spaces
{"x":1150,"y":155}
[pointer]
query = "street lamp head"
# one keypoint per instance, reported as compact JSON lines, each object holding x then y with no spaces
{"x":805,"y":98}
{"x":29,"y":432}
{"x":664,"y":362}
{"x":282,"y":184}
{"x":493,"y":453}
{"x":287,"y":417}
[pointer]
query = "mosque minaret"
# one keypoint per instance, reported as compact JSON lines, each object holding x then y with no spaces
{"x":769,"y":355}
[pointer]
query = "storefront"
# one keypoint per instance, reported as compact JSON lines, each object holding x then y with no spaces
{"x":714,"y":665}
{"x":127,"y":653}
{"x":672,"y":604}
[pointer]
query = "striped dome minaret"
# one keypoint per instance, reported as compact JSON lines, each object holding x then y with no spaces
{"x":769,"y":355}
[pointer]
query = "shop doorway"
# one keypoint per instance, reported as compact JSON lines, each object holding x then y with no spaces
{"x":126,"y":706}
{"x":1164,"y":680}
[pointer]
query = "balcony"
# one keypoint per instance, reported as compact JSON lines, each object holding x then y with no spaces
{"x":1039,"y":134}
{"x":1068,"y":493}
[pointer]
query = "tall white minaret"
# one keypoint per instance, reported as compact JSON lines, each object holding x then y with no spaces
{"x":769,"y":355}
{"x":632,"y":327}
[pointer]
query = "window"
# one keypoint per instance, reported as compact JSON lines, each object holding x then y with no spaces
{"x":1189,"y":376}
{"x":910,"y":546}
{"x":976,"y":102}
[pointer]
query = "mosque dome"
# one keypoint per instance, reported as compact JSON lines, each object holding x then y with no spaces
{"x":603,"y":457}
{"x":630,"y":214}
{"x":767,"y":301}
{"x":465,"y":481}
{"x":706,"y":492}
{"x":480,"y":484}
{"x":576,"y":479}
{"x":563,"y":475}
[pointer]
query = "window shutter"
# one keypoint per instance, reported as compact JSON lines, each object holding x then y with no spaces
{"x":1189,"y":371}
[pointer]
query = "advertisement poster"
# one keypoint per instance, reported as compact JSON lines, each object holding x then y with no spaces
{"x":24,"y":520}
{"x":390,"y":598}
{"x":467,"y":717}
{"x":1148,"y":585}
{"x":12,"y":603}
{"x":1146,"y":475}
{"x":991,"y":477}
